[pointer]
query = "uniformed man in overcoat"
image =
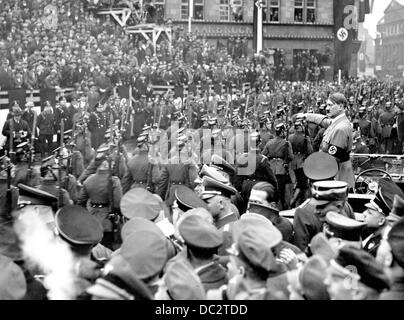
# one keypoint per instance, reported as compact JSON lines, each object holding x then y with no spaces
{"x":279,"y":152}
{"x":338,"y":137}
{"x":95,"y":195}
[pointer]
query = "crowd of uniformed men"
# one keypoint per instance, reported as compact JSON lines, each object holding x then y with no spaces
{"x":194,"y":209}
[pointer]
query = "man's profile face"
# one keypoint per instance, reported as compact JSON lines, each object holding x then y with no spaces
{"x":333,"y":110}
{"x":215,"y":205}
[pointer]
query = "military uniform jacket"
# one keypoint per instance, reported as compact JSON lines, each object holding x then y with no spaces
{"x":372,"y":243}
{"x":138,"y":174}
{"x":337,"y":141}
{"x":95,"y":189}
{"x":46,"y":123}
{"x":249,"y":174}
{"x":279,"y":152}
{"x":20,"y":126}
{"x":306,"y":225}
{"x":301,"y":146}
{"x":386,"y":120}
{"x":366,"y":128}
{"x":174,"y":174}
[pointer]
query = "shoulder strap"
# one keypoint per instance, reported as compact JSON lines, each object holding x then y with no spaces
{"x":149,"y":174}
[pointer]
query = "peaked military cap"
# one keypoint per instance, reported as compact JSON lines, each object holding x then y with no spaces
{"x":139,"y":202}
{"x":182,"y":281}
{"x":362,"y":109}
{"x":320,"y":245}
{"x":77,"y":226}
{"x":370,"y":271}
{"x":103,"y":149}
{"x":396,"y":240}
{"x":223,"y":164}
{"x":33,"y":196}
{"x":213,"y":173}
{"x":141,"y":139}
{"x":199,"y":233}
{"x":327,"y":191}
{"x":146,"y":252}
{"x":384,"y":198}
{"x":312,"y":277}
{"x":135,"y":224}
{"x":212,"y":120}
{"x":258,"y":221}
{"x":398,"y":207}
{"x":280,"y":127}
{"x":320,"y":166}
{"x":213,"y":188}
{"x":255,"y":241}
{"x":187,"y":199}
{"x":339,"y":226}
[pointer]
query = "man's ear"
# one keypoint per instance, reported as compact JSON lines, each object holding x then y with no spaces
{"x":382,"y":220}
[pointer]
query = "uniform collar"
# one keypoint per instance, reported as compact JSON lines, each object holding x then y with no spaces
{"x":225,"y":220}
{"x":338,"y":118}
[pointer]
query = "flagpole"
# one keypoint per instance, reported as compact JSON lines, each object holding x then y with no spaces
{"x":191,"y":13}
{"x":259,"y":28}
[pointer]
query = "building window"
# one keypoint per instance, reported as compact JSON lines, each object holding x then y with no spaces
{"x":184,"y":9}
{"x":305,"y":11}
{"x":198,"y":9}
{"x":224,"y":10}
{"x":159,"y":5}
{"x":311,"y":11}
{"x":236,"y":7}
{"x":299,"y":10}
{"x":231,"y":10}
{"x":274,"y":10}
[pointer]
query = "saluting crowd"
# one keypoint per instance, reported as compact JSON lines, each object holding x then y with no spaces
{"x":221,"y":194}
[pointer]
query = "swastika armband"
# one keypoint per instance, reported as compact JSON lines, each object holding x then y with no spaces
{"x":338,"y":153}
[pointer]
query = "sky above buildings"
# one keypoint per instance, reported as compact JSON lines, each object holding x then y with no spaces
{"x":377,"y":13}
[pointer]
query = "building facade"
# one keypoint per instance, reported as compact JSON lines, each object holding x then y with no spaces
{"x":390,"y":41}
{"x":291,"y":25}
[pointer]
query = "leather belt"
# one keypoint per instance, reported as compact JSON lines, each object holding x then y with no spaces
{"x":140,"y":182}
{"x":176,"y":183}
{"x":99,"y":205}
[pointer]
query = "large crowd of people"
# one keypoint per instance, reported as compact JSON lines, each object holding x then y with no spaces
{"x":59,"y":44}
{"x":221,"y":195}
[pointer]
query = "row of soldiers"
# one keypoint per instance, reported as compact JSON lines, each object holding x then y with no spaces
{"x":173,"y":171}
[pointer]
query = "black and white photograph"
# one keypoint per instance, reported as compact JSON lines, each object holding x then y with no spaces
{"x":221,"y":151}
